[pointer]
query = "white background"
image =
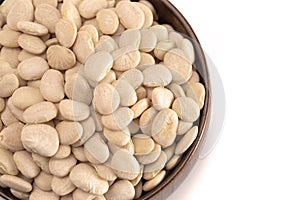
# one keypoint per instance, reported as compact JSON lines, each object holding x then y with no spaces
{"x":256,"y":48}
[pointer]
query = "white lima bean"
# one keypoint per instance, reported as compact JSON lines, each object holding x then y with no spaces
{"x":97,"y":99}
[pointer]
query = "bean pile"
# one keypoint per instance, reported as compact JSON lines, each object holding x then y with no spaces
{"x":97,"y":99}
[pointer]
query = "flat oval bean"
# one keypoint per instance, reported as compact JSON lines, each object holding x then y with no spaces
{"x":69,"y":132}
{"x":43,"y":181}
{"x":7,"y":164}
{"x":16,"y":183}
{"x":32,"y":68}
{"x":74,"y":110}
{"x":25,"y":164}
{"x":40,"y":113}
{"x":32,"y":44}
{"x":122,"y":189}
{"x":186,"y":109}
{"x":41,"y":139}
{"x":25,"y":97}
{"x":86,"y":178}
{"x":62,"y":167}
{"x":32,"y":28}
{"x":62,"y":186}
{"x":10,"y":137}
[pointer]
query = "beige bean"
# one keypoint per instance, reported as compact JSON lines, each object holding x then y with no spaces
{"x":79,"y":153}
{"x":187,"y":140}
{"x":122,"y":189}
{"x":96,"y":151}
{"x":134,"y":77}
{"x":105,"y":172}
{"x":140,"y":107}
{"x":130,"y":37}
{"x":89,"y":127}
{"x":21,"y":11}
{"x":40,"y":113}
{"x":176,"y":37}
{"x":89,"y":8}
{"x":69,"y":11}
{"x":67,"y":197}
{"x":164,"y":127}
{"x":188,"y":49}
{"x":41,"y":161}
{"x":127,"y":93}
{"x":151,"y":157}
{"x":82,"y":93}
{"x":138,"y":190}
{"x":69,"y":132}
{"x":179,"y":65}
{"x":148,"y":40}
{"x":162,"y":48}
{"x":41,"y":139}
{"x":16,"y":183}
{"x":183,"y":127}
{"x":158,"y":165}
{"x":186,"y":108}
{"x":129,"y":147}
{"x":52,"y":86}
{"x":7,"y":164}
{"x":148,"y":15}
{"x":154,"y":79}
{"x":97,"y":119}
{"x":20,"y":195}
{"x":8,"y":84}
{"x":25,"y":164}
{"x":6,"y":68}
{"x":62,"y":186}
{"x":109,"y":78}
{"x":149,"y":5}
{"x":66,"y":32}
{"x":92,"y":31}
{"x":162,"y":98}
{"x":10,"y":137}
{"x":177,"y":90}
{"x":43,"y":181}
{"x":32,"y":28}
{"x":47,"y":15}
{"x":62,"y":167}
{"x":23,"y":55}
{"x":149,"y":185}
{"x":85,"y":177}
{"x":10,"y":55}
{"x":32,"y":68}
{"x":196,"y":91}
{"x":119,"y":138}
{"x":26,"y":96}
{"x":32,"y":44}
{"x":126,"y":58}
{"x":2,"y":104}
{"x":125,"y":165}
{"x":73,"y":110}
{"x":38,"y":194}
{"x":143,"y":144}
{"x":170,"y":151}
{"x":83,"y":46}
{"x":130,"y":15}
{"x":60,"y":57}
{"x":160,"y":31}
{"x":9,"y":38}
{"x":173,"y":162}
{"x":79,"y":194}
{"x":141,"y":93}
{"x":72,"y":71}
{"x":16,"y":112}
{"x":91,"y":66}
{"x":50,"y":2}
{"x":118,"y":120}
{"x":106,"y":43}
{"x":108,"y":21}
{"x":139,"y":177}
{"x":146,"y":120}
{"x":62,"y":152}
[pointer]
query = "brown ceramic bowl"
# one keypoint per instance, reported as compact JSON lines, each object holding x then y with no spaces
{"x":170,"y":15}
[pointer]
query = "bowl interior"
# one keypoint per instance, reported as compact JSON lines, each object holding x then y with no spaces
{"x":170,"y":15}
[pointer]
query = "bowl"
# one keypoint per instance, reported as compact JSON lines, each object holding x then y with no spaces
{"x":168,"y":14}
